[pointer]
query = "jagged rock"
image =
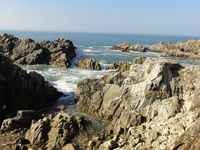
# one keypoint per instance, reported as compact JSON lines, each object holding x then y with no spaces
{"x":153,"y":105}
{"x":108,"y":145}
{"x":89,"y":64}
{"x":22,"y":90}
{"x":22,"y":120}
{"x":190,"y":140}
{"x":129,"y":47}
{"x":56,"y":132}
{"x":112,"y":66}
{"x":139,"y":60}
{"x":69,"y":147}
{"x":58,"y":53}
{"x":37,"y":134}
{"x":189,"y":49}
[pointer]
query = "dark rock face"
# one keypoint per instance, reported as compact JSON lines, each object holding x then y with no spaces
{"x":22,"y":120}
{"x":20,"y":90}
{"x":58,"y":53}
{"x":88,"y":64}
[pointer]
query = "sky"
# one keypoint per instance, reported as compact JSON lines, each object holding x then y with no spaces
{"x":170,"y":17}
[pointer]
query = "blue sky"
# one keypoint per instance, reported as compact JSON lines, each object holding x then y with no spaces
{"x":173,"y":17}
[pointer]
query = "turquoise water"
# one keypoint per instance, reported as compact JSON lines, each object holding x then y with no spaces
{"x":96,"y":46}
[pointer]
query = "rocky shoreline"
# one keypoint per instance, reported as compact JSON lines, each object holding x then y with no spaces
{"x":151,"y":103}
{"x":57,"y":53}
{"x":189,"y":49}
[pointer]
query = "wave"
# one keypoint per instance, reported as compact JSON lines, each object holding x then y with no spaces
{"x":90,"y":51}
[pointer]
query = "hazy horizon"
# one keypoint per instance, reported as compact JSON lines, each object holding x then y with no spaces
{"x":179,"y":18}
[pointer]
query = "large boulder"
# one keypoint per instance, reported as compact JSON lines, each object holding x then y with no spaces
{"x":58,"y":53}
{"x":88,"y":64}
{"x":55,"y":132}
{"x":22,"y":90}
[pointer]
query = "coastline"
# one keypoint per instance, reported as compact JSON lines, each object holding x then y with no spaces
{"x":140,"y":101}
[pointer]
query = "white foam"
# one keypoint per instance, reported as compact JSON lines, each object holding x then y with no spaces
{"x":89,"y":51}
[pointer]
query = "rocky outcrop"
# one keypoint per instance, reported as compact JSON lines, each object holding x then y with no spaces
{"x":20,"y":90}
{"x":148,"y":109}
{"x":22,"y":120}
{"x":124,"y":47}
{"x":88,"y":64}
{"x":58,"y":53}
{"x":189,"y":140}
{"x":189,"y":49}
{"x":55,"y":132}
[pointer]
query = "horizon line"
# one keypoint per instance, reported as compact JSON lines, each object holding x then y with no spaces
{"x":91,"y":32}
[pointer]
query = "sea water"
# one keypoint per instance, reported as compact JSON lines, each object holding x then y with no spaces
{"x":93,"y":45}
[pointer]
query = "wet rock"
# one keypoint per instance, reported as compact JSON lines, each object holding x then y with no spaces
{"x":88,"y":64}
{"x":58,"y":53}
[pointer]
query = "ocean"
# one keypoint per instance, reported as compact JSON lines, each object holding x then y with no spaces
{"x":93,"y":45}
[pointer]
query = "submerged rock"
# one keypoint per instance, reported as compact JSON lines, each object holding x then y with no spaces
{"x":88,"y":64}
{"x":58,"y":53}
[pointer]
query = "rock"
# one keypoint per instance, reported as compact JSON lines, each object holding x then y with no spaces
{"x":108,"y":145}
{"x":69,"y":147}
{"x":22,"y":120}
{"x":56,"y":132}
{"x":189,"y":49}
{"x":58,"y":53}
{"x":22,"y":90}
{"x":88,"y":64}
{"x":190,"y":140}
{"x":129,"y":47}
{"x":156,"y":104}
{"x":112,"y":66}
{"x":139,"y":60}
{"x":37,"y":134}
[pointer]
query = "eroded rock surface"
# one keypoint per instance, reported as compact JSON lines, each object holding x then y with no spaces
{"x":148,"y":109}
{"x":55,"y":132}
{"x":189,"y":49}
{"x":130,"y":47}
{"x":58,"y":53}
{"x":88,"y":64}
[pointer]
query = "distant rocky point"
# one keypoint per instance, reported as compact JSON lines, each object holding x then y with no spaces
{"x":124,"y":47}
{"x":57,"y":53}
{"x":188,"y":50}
